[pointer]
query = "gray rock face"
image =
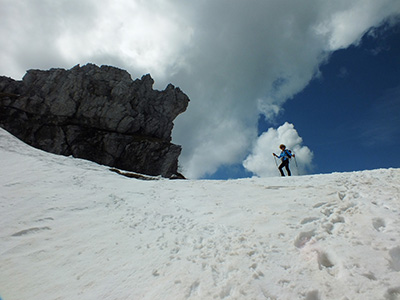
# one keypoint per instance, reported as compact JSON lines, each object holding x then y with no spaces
{"x":95,"y":113}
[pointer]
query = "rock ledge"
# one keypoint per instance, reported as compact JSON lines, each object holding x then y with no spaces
{"x":95,"y":113}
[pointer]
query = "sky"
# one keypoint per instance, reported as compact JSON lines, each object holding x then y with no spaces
{"x":71,"y":229}
{"x":318,"y":76}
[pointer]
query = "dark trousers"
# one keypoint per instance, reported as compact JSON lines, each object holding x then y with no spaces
{"x":285,"y":163}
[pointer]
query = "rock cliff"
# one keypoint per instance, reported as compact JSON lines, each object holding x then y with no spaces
{"x":95,"y":113}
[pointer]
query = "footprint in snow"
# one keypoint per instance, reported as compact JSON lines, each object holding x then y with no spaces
{"x":379,"y":224}
{"x":313,"y":295}
{"x":303,"y":238}
{"x":193,"y":289}
{"x":341,"y":195}
{"x":393,"y":293}
{"x":395,"y":259}
{"x":324,"y":261}
{"x":308,"y":220}
{"x":319,"y":204}
{"x":30,"y":230}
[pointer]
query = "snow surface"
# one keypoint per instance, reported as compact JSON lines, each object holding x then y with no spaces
{"x":71,"y":229}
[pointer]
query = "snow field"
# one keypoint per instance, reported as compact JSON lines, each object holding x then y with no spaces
{"x":71,"y":229}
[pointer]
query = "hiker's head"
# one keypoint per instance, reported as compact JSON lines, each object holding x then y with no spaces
{"x":282,"y":147}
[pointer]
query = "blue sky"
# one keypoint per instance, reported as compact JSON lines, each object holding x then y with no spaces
{"x":349,"y":116}
{"x":319,"y":76}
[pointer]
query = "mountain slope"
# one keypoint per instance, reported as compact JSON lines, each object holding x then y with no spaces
{"x":71,"y":229}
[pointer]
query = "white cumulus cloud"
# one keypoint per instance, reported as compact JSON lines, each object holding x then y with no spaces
{"x":262,"y":163}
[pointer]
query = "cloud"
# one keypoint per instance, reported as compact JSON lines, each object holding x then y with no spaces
{"x":250,"y":59}
{"x":346,"y":23}
{"x":235,"y":59}
{"x":261,"y":161}
{"x":136,"y":35}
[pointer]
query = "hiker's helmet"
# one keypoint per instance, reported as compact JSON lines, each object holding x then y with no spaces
{"x":282,"y":146}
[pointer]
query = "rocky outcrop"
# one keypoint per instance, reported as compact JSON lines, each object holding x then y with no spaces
{"x":95,"y":113}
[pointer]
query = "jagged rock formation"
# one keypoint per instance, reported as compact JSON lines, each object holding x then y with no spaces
{"x":95,"y":113}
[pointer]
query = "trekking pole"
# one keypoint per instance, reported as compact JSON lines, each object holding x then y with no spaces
{"x":297,"y":168}
{"x":275,"y":161}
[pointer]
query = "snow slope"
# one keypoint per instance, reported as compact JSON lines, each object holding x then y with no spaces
{"x":71,"y":229}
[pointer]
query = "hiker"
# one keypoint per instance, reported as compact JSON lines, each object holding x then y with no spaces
{"x":285,"y":155}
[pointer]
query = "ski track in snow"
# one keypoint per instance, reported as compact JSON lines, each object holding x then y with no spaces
{"x":71,"y":229}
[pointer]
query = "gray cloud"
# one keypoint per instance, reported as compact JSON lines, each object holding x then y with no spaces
{"x":235,"y":59}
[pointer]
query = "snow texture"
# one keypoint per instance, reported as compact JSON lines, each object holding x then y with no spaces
{"x":71,"y":229}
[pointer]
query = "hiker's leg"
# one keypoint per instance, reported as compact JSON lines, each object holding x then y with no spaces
{"x":287,"y":167}
{"x":288,"y":170}
{"x":281,"y":167}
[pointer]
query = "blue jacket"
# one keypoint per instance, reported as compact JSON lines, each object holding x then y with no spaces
{"x":285,"y":155}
